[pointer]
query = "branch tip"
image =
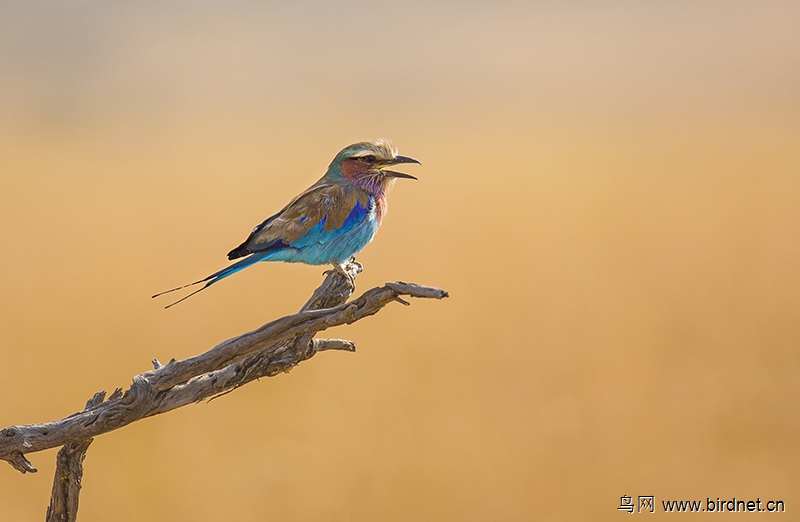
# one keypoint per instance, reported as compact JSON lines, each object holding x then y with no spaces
{"x":21,"y":464}
{"x":320,"y":345}
{"x":415,"y":290}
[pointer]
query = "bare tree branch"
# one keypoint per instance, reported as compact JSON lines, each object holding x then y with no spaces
{"x":67,"y":482}
{"x":273,"y":348}
{"x":69,"y":473}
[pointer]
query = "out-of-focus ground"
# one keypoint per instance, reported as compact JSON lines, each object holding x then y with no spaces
{"x":610,"y":193}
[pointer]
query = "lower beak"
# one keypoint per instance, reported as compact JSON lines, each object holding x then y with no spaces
{"x":394,"y":174}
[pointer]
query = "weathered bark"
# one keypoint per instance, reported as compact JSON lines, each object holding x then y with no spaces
{"x":273,"y":348}
{"x":67,"y":482}
{"x":69,"y":473}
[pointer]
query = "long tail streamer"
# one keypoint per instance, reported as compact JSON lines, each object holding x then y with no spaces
{"x":216,"y":276}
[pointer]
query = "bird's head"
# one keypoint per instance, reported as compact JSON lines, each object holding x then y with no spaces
{"x":365,"y":165}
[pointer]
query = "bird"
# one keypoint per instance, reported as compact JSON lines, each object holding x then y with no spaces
{"x":328,"y":223}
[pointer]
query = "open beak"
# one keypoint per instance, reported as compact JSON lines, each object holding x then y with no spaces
{"x":397,"y":160}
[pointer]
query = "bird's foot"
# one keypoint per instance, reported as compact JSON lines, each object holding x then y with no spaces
{"x":358,"y":267}
{"x":343,"y":269}
{"x":349,"y":270}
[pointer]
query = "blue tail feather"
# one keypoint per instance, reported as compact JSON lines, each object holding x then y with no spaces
{"x":217,"y":276}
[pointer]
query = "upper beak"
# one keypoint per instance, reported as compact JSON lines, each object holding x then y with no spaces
{"x":395,"y":161}
{"x":403,"y":159}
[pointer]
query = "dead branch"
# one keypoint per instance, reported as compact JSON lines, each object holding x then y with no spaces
{"x":69,"y":473}
{"x":67,"y":482}
{"x":273,"y":348}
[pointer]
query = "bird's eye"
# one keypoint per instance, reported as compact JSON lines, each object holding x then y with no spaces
{"x":368,"y":159}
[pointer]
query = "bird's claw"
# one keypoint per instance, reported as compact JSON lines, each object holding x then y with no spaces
{"x":349,"y":270}
{"x":354,"y":265}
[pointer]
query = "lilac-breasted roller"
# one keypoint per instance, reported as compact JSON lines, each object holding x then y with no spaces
{"x":330,"y":222}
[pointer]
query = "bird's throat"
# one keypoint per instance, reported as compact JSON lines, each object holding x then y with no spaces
{"x":366,"y":178}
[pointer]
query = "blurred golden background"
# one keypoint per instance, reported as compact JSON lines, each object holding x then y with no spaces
{"x":609,"y":191}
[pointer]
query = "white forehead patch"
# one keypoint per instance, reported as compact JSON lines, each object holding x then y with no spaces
{"x":382,"y":148}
